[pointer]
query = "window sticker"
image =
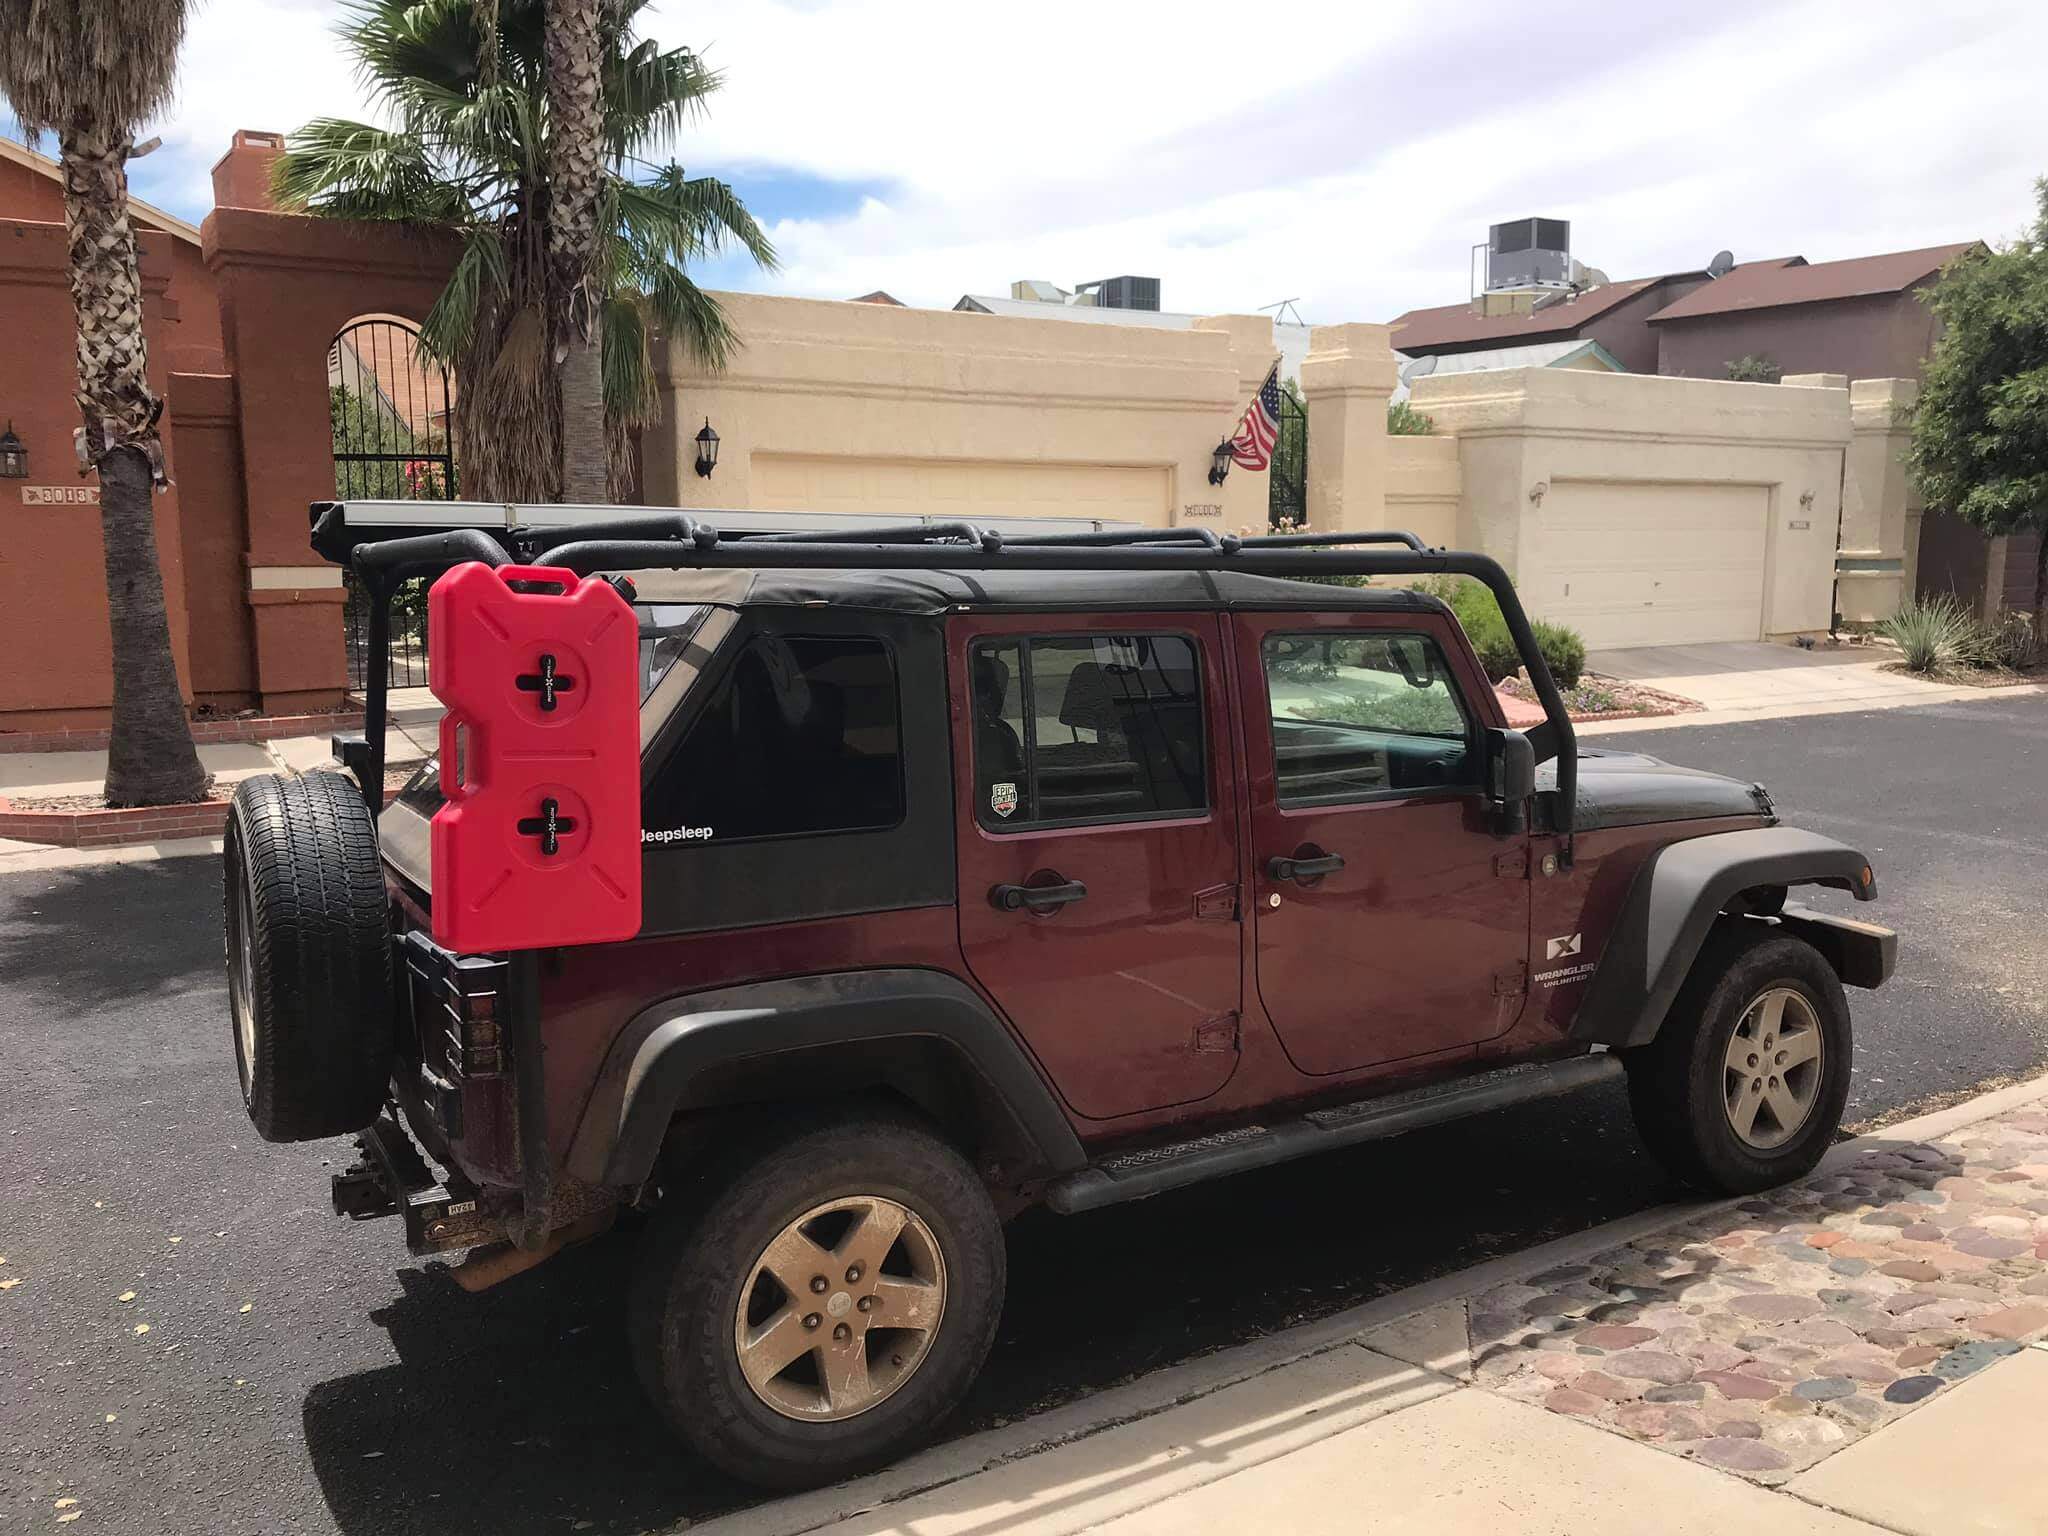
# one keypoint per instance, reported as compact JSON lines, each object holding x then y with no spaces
{"x":1002,"y":798}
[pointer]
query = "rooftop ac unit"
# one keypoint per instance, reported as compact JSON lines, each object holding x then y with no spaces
{"x":1529,"y":253}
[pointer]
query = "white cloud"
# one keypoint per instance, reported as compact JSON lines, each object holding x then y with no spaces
{"x":1343,"y":153}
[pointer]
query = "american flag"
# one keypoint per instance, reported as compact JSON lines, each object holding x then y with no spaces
{"x":1259,"y":428}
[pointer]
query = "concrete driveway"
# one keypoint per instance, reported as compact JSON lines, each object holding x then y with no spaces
{"x":1755,"y":675}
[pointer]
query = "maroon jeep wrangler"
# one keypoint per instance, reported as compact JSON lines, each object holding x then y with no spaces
{"x":967,"y":873}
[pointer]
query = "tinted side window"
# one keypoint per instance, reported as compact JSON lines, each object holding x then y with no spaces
{"x":1357,"y":715}
{"x":799,"y":737}
{"x":1087,"y":728}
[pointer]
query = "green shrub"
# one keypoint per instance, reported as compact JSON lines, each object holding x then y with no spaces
{"x":1403,"y":420}
{"x":1935,"y":634}
{"x":1480,"y":617}
{"x":2012,"y":642}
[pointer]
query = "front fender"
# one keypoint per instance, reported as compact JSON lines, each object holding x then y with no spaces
{"x":1675,"y":898}
{"x":870,"y":1028}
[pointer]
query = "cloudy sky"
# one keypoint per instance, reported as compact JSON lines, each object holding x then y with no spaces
{"x":1346,"y":155}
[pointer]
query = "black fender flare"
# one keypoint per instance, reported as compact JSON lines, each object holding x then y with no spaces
{"x":1674,"y":900}
{"x":879,"y":1028}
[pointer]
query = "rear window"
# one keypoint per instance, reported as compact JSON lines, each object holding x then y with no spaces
{"x":800,"y":736}
{"x":1086,"y":728}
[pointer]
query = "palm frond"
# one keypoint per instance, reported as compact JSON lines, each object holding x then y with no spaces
{"x":650,"y":94}
{"x":358,"y":171}
{"x":629,"y":382}
{"x":691,"y":317}
{"x":478,"y":281}
{"x":679,"y":218}
{"x":113,"y":62}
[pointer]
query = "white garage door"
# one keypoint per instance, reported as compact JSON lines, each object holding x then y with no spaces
{"x":961,"y":488}
{"x":1649,"y":564}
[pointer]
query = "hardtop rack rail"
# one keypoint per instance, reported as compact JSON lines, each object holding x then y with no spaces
{"x":654,"y":539}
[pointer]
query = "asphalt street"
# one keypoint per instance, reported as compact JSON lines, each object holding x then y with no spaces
{"x":278,"y":1369}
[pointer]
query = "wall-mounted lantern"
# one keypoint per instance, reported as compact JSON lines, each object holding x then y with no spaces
{"x":707,"y":450}
{"x":1219,"y":462}
{"x":13,"y":455}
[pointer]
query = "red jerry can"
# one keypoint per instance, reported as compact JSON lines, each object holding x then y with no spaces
{"x":539,"y":841}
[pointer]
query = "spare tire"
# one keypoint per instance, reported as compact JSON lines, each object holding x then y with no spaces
{"x":309,"y":956}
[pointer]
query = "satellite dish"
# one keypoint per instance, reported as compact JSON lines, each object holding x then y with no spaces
{"x":1722,"y":264}
{"x":1417,"y":368}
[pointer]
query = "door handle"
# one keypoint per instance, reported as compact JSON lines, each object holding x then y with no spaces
{"x":1303,"y":870}
{"x":1035,"y":898}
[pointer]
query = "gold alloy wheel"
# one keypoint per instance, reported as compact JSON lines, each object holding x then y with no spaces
{"x":1773,"y":1068}
{"x":840,"y":1309}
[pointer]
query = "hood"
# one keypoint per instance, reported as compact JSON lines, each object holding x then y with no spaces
{"x":1627,"y":789}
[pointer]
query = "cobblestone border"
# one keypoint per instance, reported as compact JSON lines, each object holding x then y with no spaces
{"x":1764,"y":1337}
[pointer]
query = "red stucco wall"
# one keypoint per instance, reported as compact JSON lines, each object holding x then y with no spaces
{"x":53,"y":608}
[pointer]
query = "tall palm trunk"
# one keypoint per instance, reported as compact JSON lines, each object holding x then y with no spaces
{"x":151,"y":760}
{"x":575,"y":166}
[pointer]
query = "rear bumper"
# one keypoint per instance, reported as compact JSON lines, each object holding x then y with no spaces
{"x":1863,"y":954}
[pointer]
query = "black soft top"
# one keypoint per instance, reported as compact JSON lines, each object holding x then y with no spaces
{"x":935,"y":592}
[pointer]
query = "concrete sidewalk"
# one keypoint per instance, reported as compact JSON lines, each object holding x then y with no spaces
{"x":1855,"y":1353}
{"x":1756,"y":680}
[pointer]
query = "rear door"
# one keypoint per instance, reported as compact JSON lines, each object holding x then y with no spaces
{"x":1098,"y":847}
{"x":1389,"y":922}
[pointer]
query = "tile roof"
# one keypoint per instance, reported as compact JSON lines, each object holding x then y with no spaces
{"x":1767,"y":285}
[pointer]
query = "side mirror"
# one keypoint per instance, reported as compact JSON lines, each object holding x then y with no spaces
{"x":1510,"y":779}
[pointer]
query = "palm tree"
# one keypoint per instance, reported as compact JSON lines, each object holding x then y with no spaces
{"x":471,"y":154}
{"x":91,"y":72}
{"x":575,"y":183}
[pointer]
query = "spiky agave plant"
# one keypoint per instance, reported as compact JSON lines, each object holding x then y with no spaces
{"x":466,"y":85}
{"x":91,"y":72}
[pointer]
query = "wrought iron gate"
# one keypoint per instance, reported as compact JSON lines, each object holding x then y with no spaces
{"x":393,"y":420}
{"x":1287,"y":479}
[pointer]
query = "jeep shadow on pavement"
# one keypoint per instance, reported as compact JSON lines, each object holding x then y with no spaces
{"x":829,"y":899}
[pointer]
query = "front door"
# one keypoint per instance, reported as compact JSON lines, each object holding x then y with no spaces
{"x":1389,"y":922}
{"x":1098,"y":848}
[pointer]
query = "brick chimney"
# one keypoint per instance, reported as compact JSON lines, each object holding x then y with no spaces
{"x":241,"y":177}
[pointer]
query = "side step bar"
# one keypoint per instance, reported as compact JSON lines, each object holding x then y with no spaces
{"x":1154,"y":1170}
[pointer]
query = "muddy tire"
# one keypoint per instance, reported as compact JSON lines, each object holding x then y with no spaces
{"x":309,"y":956}
{"x":1744,"y":1086}
{"x":823,"y":1305}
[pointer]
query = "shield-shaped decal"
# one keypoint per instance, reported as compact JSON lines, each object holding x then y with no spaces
{"x":1002,"y":798}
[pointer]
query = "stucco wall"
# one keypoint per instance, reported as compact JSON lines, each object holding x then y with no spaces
{"x":53,"y":603}
{"x":1424,"y":487}
{"x":1551,"y":458}
{"x":864,"y":408}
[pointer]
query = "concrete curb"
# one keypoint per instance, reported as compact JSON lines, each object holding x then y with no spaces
{"x":23,"y":858}
{"x":1184,"y":1383}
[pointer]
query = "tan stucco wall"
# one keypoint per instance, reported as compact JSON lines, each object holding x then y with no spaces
{"x":1881,"y":509}
{"x":868,"y":409}
{"x":1424,"y":487}
{"x":1682,"y":450}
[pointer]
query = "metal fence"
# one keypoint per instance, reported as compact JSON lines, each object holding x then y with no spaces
{"x":393,"y":419}
{"x":1287,"y":477}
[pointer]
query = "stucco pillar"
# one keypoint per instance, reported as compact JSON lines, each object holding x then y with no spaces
{"x":1245,"y":494}
{"x":1347,"y":378}
{"x":1880,"y":506}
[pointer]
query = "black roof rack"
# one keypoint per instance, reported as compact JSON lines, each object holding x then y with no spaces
{"x":670,"y":540}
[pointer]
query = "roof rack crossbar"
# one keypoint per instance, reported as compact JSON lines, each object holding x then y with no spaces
{"x":1333,"y":540}
{"x":1110,"y":538}
{"x":911,"y":533}
{"x":529,"y":539}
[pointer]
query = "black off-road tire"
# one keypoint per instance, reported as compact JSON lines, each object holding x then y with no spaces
{"x":309,"y":956}
{"x":698,"y":1253}
{"x":1676,"y":1083}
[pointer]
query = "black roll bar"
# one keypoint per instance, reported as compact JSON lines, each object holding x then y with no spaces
{"x":675,"y":541}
